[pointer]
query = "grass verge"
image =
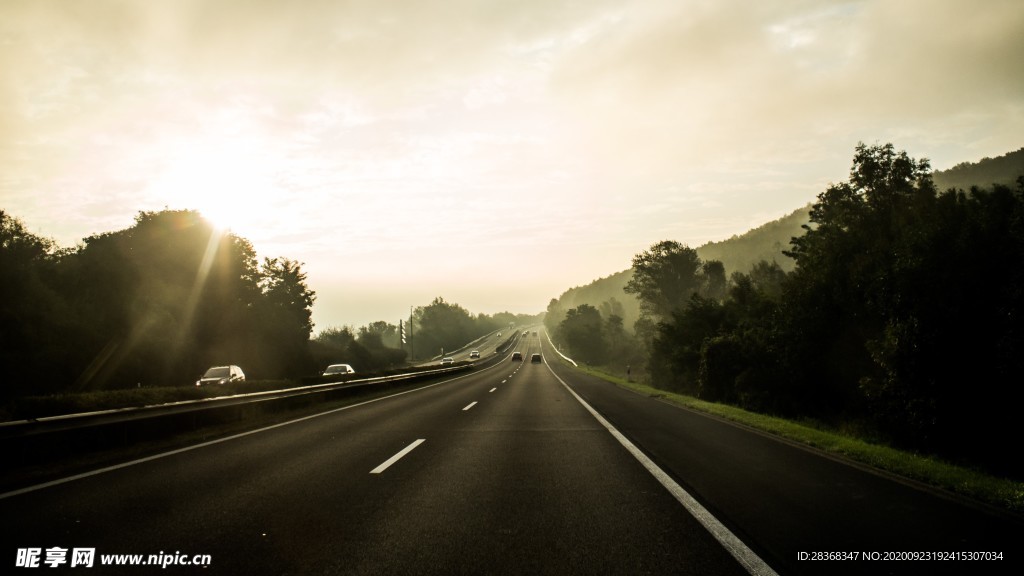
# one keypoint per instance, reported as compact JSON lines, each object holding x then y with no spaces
{"x":999,"y":492}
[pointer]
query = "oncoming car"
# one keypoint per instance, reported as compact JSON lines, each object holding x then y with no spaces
{"x":221,"y":375}
{"x":517,"y":356}
{"x":338,"y":370}
{"x":474,"y":354}
{"x":447,"y":361}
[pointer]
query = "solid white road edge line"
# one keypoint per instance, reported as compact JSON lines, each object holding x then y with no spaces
{"x":387,"y":463}
{"x":744,"y":555}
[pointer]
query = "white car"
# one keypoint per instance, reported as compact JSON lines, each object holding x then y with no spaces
{"x":221,"y":375}
{"x":474,"y":354}
{"x":338,"y":370}
{"x":447,"y":361}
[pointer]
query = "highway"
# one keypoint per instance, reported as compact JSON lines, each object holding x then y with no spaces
{"x":503,"y":470}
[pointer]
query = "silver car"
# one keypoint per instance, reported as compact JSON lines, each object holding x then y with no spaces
{"x":221,"y":375}
{"x":338,"y":370}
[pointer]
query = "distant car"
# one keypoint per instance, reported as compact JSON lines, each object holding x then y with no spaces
{"x":221,"y":375}
{"x":474,"y":354}
{"x":534,"y":332}
{"x":338,"y":370}
{"x":517,"y":356}
{"x":447,"y":361}
{"x":535,"y":359}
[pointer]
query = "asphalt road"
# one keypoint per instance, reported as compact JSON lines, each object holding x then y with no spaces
{"x":502,"y":471}
{"x":789,"y":502}
{"x":513,"y":476}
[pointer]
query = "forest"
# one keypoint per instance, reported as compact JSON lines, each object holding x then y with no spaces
{"x":900,"y":318}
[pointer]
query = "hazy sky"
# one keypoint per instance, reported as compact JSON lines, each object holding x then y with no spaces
{"x":493,"y":153}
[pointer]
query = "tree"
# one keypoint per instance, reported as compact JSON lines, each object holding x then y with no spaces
{"x":676,"y":348}
{"x":713,"y":280}
{"x":554,"y":315}
{"x":31,"y":314}
{"x":612,"y":307}
{"x":847,"y":267}
{"x":335,"y":337}
{"x":285,"y":316}
{"x":442,"y":325}
{"x":379,"y":334}
{"x":664,"y":278}
{"x":582,"y":330}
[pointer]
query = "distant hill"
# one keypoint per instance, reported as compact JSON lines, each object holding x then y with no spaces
{"x":984,"y":173}
{"x":766,"y":242}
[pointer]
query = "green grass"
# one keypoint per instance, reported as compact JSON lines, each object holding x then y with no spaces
{"x":972,"y":484}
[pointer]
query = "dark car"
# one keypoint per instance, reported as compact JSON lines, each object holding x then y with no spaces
{"x":535,"y":359}
{"x":517,"y":356}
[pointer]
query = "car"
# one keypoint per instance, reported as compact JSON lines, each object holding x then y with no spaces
{"x":221,"y":375}
{"x":338,"y":370}
{"x":536,"y":359}
{"x":517,"y":356}
{"x":474,"y":354}
{"x":447,"y":361}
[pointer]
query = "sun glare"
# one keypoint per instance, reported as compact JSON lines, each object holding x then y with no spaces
{"x":231,"y":185}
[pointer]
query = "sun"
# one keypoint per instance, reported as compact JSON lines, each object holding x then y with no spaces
{"x":230,"y":183}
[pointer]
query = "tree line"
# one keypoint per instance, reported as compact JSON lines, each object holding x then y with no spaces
{"x":439,"y":327}
{"x":901,"y":317}
{"x":157,"y":303}
{"x":151,"y":305}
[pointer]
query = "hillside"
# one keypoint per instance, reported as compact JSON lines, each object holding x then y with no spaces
{"x":766,"y":242}
{"x":1003,"y":169}
{"x":739,"y":253}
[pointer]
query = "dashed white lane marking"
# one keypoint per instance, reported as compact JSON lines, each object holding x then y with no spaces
{"x":471,"y":404}
{"x":397,"y":457}
{"x":493,"y":389}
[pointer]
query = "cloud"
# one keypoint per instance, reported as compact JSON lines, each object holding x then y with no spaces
{"x":597,"y":128}
{"x":702,"y":78}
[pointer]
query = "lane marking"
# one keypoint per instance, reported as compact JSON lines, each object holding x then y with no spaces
{"x":747,"y":558}
{"x":471,"y":404}
{"x":493,"y":389}
{"x":104,"y":470}
{"x":397,"y":457}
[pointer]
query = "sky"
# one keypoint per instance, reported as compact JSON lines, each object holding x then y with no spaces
{"x":493,"y":153}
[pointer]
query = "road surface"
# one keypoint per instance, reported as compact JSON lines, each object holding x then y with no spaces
{"x":501,"y":471}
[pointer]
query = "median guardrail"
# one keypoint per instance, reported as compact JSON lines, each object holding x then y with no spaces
{"x":48,"y":439}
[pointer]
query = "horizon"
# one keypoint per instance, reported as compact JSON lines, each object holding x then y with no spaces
{"x":493,"y":155}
